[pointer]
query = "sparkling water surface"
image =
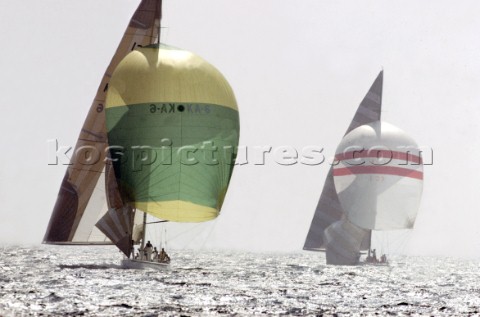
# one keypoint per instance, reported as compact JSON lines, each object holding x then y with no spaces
{"x":89,"y":281}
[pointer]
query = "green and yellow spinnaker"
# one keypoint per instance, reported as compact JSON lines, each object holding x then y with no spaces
{"x":173,"y":128}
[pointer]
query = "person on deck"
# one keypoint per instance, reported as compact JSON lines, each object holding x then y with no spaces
{"x":369,"y":257}
{"x":141,"y":254}
{"x":163,"y":257}
{"x":155,"y":254}
{"x":374,"y":255}
{"x":132,"y":248}
{"x":148,"y":251}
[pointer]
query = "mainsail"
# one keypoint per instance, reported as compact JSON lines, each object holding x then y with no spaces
{"x":329,"y":210}
{"x":82,"y":197}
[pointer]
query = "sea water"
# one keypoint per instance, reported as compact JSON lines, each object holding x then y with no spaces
{"x":89,"y":281}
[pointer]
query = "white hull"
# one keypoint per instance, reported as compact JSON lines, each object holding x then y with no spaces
{"x":138,"y":264}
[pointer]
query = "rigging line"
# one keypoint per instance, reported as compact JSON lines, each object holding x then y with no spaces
{"x":165,"y":237}
{"x":198,"y":235}
{"x":160,"y":221}
{"x":212,"y":227}
{"x":186,"y":231}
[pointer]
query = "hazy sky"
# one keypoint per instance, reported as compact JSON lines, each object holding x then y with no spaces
{"x":299,"y":69}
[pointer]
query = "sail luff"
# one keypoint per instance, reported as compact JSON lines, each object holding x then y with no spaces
{"x":328,"y":209}
{"x":81,"y":177}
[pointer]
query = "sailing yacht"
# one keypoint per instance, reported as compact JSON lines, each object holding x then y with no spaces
{"x":164,"y":125}
{"x":375,"y":184}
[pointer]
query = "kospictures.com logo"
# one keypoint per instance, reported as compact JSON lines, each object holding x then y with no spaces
{"x":209,"y":153}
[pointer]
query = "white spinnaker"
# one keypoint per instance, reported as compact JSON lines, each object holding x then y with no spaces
{"x":379,"y":178}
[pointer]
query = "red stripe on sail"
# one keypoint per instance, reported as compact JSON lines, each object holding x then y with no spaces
{"x":388,"y":154}
{"x":375,"y":169}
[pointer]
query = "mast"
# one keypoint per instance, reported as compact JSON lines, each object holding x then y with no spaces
{"x":144,"y":233}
